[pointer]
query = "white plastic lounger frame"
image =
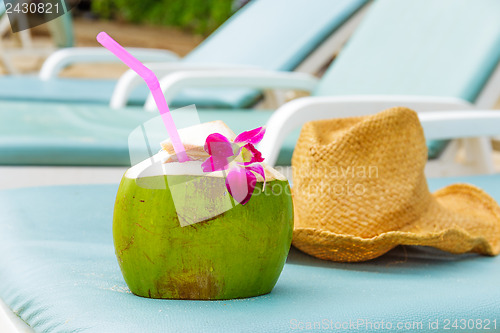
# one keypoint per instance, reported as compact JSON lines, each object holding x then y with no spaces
{"x":313,"y":63}
{"x":296,"y":113}
{"x":130,"y":80}
{"x":366,"y":104}
{"x":174,"y":83}
{"x":74,"y":55}
{"x":491,"y":91}
{"x":10,"y":322}
{"x":447,"y":124}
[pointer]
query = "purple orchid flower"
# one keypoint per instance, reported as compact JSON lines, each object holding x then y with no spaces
{"x":240,"y":158}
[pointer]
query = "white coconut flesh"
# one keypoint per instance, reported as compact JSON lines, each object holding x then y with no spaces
{"x":193,"y":139}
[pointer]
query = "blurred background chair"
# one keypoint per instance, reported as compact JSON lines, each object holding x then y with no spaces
{"x":281,"y":35}
{"x":24,"y":37}
{"x":426,"y":54}
{"x":61,"y":31}
{"x":396,"y":46}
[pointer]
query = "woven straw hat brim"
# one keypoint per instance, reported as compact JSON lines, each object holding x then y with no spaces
{"x":395,"y":206}
{"x":448,"y":225}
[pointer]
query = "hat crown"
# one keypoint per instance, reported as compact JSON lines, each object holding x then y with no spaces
{"x":361,"y":176}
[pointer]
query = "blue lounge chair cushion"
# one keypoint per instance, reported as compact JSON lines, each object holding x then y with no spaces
{"x":59,"y":134}
{"x":291,"y":31}
{"x":79,"y":134}
{"x":58,"y":272}
{"x":81,"y":91}
{"x":270,"y":34}
{"x":99,"y":91}
{"x":404,"y":48}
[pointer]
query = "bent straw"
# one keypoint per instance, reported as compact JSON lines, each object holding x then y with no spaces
{"x":152,"y":81}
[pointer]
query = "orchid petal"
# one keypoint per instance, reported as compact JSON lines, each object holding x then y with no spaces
{"x":250,"y":154}
{"x":259,"y":169}
{"x":253,"y":136}
{"x":213,"y":163}
{"x":218,"y":145}
{"x":240,"y":184}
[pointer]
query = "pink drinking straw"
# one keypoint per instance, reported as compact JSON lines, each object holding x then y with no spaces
{"x":153,"y":85}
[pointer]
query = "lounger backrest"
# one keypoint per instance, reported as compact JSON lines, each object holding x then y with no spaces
{"x":419,"y":47}
{"x":271,"y":34}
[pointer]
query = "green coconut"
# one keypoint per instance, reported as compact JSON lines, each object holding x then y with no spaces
{"x":178,"y":234}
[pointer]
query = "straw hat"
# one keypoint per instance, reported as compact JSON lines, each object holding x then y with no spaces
{"x":360,"y":190}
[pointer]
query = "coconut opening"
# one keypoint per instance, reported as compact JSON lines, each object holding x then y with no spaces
{"x":193,"y":137}
{"x":156,"y":166}
{"x":165,"y":162}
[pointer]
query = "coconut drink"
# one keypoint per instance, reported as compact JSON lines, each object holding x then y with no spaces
{"x":218,"y":226}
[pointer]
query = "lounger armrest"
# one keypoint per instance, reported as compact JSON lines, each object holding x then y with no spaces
{"x":295,"y":113}
{"x":460,"y":124}
{"x":65,"y":57}
{"x":130,"y":80}
{"x":174,"y":83}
